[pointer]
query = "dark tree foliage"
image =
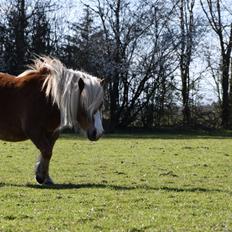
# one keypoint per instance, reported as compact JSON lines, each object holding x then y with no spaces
{"x":40,"y":30}
{"x":26,"y":33}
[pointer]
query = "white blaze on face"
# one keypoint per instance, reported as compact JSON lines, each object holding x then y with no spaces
{"x":98,"y":124}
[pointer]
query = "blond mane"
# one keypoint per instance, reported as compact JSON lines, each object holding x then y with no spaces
{"x":62,"y":85}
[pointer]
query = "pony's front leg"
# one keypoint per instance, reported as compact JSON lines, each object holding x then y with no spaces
{"x":42,"y":165}
{"x":44,"y":142}
{"x":42,"y":171}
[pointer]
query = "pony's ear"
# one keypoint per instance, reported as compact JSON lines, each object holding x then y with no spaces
{"x":102,"y":81}
{"x":81,"y":84}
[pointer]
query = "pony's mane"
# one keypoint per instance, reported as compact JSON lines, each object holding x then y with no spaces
{"x":61,"y":84}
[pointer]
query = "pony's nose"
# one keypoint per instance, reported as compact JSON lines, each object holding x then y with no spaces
{"x":92,"y":135}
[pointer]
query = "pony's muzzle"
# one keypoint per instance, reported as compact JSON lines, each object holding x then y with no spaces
{"x":93,"y":135}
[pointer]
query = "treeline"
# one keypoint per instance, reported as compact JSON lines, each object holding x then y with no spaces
{"x":155,"y":56}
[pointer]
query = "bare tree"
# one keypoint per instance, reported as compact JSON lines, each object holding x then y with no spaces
{"x":213,"y":12}
{"x":187,"y":28}
{"x":134,"y":37}
{"x":214,"y":70}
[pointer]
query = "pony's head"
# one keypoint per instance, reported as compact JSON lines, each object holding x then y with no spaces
{"x":90,"y":104}
{"x":78,"y":95}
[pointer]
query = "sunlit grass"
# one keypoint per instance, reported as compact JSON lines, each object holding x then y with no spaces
{"x":120,"y":183}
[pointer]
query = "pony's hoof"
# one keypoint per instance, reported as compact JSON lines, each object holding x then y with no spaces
{"x":48,"y":181}
{"x":39,"y":179}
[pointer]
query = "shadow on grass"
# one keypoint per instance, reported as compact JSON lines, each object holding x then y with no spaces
{"x":123,"y":188}
{"x":116,"y":187}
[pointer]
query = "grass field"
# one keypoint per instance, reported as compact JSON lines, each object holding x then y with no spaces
{"x":120,"y":183}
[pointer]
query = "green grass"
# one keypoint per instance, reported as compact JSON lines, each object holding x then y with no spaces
{"x":120,"y":183}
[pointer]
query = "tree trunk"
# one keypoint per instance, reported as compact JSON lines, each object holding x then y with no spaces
{"x":20,"y":37}
{"x":225,"y":93}
{"x":114,"y":95}
{"x":225,"y":83}
{"x":186,"y":26}
{"x":215,"y":21}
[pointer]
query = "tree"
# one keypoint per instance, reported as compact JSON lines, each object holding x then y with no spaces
{"x":129,"y":54}
{"x":2,"y":41}
{"x":187,"y":45}
{"x":213,"y":12}
{"x":40,"y":28}
{"x":27,"y":31}
{"x":80,"y":46}
{"x":15,"y":37}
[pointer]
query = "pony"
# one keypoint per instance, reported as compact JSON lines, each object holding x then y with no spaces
{"x":41,"y":101}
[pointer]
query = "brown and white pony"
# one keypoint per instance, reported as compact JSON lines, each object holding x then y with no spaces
{"x":40,"y":101}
